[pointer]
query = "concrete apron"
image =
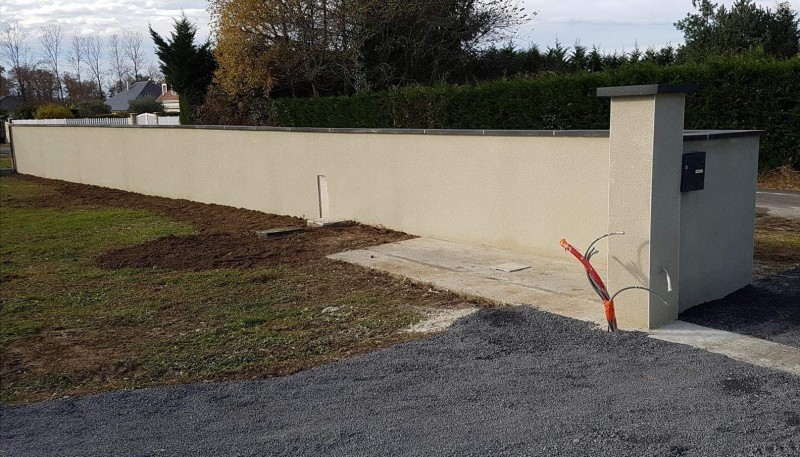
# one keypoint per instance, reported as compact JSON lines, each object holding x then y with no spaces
{"x":554,"y":285}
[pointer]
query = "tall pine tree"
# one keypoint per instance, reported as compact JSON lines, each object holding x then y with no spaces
{"x":187,"y":68}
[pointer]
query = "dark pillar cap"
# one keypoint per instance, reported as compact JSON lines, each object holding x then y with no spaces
{"x":647,"y":89}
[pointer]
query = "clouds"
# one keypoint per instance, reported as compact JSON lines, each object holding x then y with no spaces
{"x":611,"y":24}
{"x":104,"y":17}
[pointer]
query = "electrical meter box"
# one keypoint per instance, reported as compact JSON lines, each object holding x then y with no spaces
{"x":693,"y":171}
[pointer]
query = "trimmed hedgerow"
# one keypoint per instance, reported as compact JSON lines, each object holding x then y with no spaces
{"x":735,"y":93}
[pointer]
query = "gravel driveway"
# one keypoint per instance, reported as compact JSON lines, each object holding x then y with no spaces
{"x":768,"y":309}
{"x":508,"y":381}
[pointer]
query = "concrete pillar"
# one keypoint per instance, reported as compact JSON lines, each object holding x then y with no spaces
{"x":646,"y":145}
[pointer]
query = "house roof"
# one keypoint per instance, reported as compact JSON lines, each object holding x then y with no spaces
{"x":168,"y":96}
{"x":9,"y":102}
{"x":139,"y":89}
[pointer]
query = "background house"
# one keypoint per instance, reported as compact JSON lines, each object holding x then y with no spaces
{"x":169,"y":98}
{"x":139,"y":89}
{"x":9,"y":103}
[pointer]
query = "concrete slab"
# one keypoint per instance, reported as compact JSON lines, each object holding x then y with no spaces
{"x":554,"y":285}
{"x":329,"y":222}
{"x":734,"y":345}
{"x":281,"y":231}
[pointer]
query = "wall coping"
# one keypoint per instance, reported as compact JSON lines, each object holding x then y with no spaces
{"x":702,"y":135}
{"x":688,"y":135}
{"x":453,"y":132}
{"x":646,"y":89}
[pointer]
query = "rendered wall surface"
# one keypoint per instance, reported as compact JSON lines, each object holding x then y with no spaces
{"x":644,"y":188}
{"x":717,"y":223}
{"x":517,"y":192}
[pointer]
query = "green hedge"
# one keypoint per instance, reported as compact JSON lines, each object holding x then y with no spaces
{"x":735,"y":93}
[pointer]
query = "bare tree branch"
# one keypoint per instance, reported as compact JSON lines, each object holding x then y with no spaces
{"x":50,"y":37}
{"x":118,"y":65}
{"x":75,"y":55}
{"x":154,"y":72}
{"x":132,"y":49}
{"x":93,"y":53}
{"x":15,"y":51}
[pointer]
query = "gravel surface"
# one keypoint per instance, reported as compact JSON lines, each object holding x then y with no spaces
{"x":768,"y":309}
{"x":507,"y":381}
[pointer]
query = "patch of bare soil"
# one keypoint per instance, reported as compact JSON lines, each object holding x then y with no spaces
{"x":203,"y":217}
{"x":225,"y":235}
{"x":245,"y":250}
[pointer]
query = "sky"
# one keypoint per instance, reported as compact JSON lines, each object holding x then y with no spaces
{"x":609,"y":24}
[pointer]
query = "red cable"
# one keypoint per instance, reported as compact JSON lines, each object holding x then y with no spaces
{"x":589,"y":268}
{"x":611,"y":316}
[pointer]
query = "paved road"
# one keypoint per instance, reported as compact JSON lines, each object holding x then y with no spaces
{"x":507,"y":381}
{"x":779,"y":203}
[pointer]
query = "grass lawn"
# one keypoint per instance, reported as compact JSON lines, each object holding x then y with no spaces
{"x":92,"y":297}
{"x":103,"y":290}
{"x":5,"y":156}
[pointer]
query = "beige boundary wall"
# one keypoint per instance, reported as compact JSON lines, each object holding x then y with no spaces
{"x":716,"y":226}
{"x":520,"y":190}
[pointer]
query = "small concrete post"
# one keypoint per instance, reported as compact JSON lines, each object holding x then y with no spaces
{"x":132,"y":118}
{"x":646,"y":145}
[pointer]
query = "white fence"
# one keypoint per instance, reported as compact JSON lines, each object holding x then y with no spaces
{"x":159,"y":120}
{"x":152,"y":119}
{"x":168,"y":120}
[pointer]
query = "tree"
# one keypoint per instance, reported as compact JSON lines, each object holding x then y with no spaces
{"x":409,"y":42}
{"x":50,"y":38}
{"x":132,"y":50}
{"x":53,"y":111}
{"x":188,"y":68}
{"x":326,"y":47}
{"x":579,"y":60}
{"x":716,"y":30}
{"x":145,"y":105}
{"x":41,"y":84}
{"x":79,"y":91}
{"x":118,"y":65}
{"x":15,"y":51}
{"x":154,"y":72}
{"x":287,"y":47}
{"x":5,"y":84}
{"x":76,"y":60}
{"x":92,"y":108}
{"x":93,"y":53}
{"x":555,"y":58}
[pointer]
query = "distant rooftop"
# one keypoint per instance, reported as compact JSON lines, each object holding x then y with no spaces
{"x":139,"y":89}
{"x":9,"y":102}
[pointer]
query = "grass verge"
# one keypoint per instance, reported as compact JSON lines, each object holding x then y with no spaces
{"x":69,"y":326}
{"x":777,"y":245}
